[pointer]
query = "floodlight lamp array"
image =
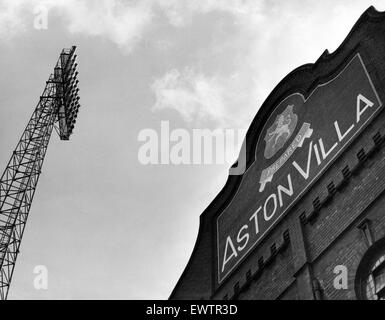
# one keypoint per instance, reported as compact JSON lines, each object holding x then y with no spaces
{"x":68,"y":92}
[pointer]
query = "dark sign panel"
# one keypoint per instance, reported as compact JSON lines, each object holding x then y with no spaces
{"x":299,"y":140}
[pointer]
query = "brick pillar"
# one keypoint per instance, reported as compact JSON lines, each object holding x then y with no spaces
{"x":302,"y":266}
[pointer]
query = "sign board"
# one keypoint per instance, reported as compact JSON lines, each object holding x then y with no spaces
{"x":299,"y":140}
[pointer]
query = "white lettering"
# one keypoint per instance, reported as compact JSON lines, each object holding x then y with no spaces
{"x":322,"y":147}
{"x":234,"y":253}
{"x":274,"y":198}
{"x":148,"y":152}
{"x":164,"y":142}
{"x":317,"y":156}
{"x":180,"y":152}
{"x":339,"y":135}
{"x":244,"y":238}
{"x":254,"y":216}
{"x":368,"y":104}
{"x":288,"y":191}
{"x":295,"y":164}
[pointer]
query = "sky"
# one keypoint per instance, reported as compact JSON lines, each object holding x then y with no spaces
{"x":103,"y":224}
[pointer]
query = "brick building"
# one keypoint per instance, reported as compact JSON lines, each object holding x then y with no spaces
{"x":306,"y":220}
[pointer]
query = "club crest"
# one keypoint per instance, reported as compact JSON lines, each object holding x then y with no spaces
{"x":281,"y":130}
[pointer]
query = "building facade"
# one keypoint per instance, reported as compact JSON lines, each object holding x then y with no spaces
{"x":306,"y":218}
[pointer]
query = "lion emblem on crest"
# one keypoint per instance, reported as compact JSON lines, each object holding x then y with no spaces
{"x":281,"y":130}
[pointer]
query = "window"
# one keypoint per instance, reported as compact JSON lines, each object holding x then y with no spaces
{"x":370,"y":277}
{"x":375,"y":283}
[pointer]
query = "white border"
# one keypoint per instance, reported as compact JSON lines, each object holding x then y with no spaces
{"x":311,"y":182}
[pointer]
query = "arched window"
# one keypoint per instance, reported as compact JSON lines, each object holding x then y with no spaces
{"x":370,"y":276}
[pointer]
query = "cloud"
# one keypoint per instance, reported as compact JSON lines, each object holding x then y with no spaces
{"x":199,"y":99}
{"x":11,"y":22}
{"x":122,"y":22}
{"x":268,"y":40}
{"x":181,"y":12}
{"x":196,"y":97}
{"x":271,"y":38}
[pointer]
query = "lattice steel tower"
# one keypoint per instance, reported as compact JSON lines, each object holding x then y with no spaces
{"x":57,"y":108}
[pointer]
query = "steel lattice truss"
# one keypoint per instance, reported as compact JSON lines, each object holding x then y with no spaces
{"x":57,"y":108}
